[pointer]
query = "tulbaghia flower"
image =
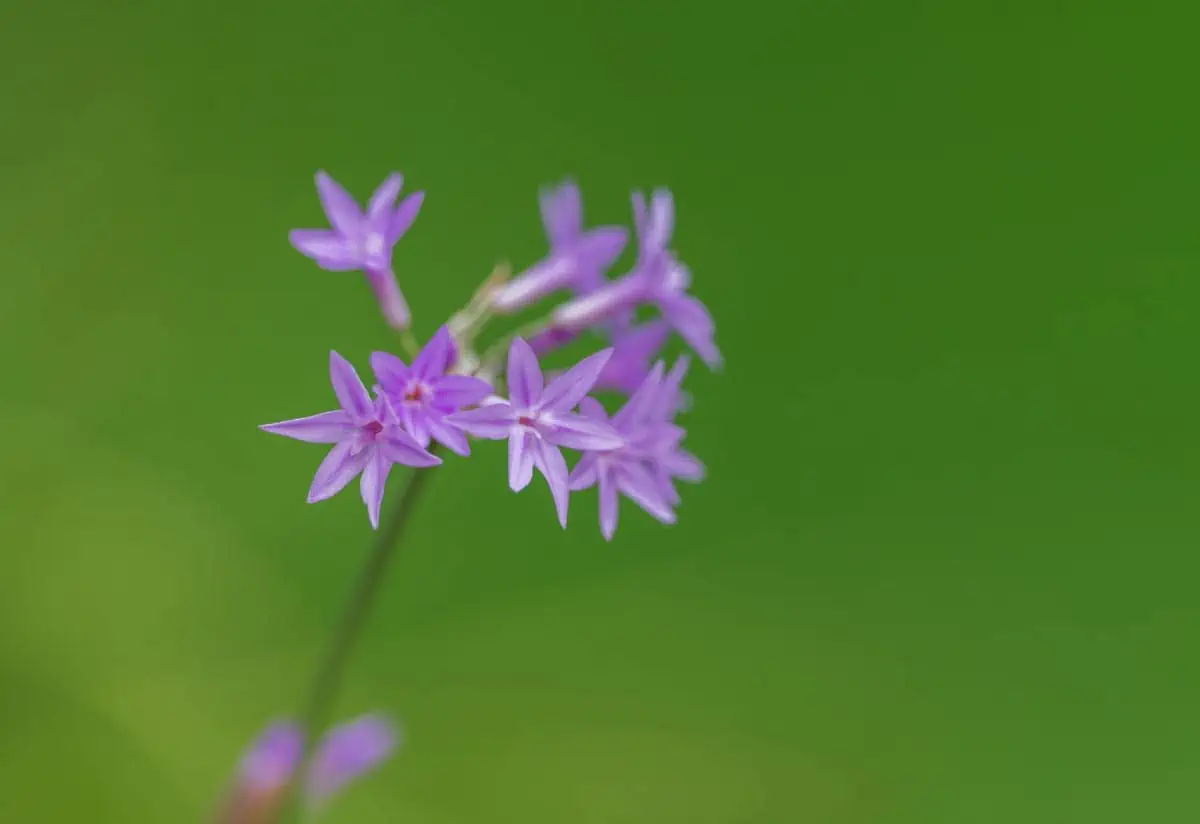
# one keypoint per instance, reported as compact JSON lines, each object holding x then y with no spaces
{"x":423,"y":394}
{"x":657,"y":278}
{"x":538,"y":420}
{"x":363,"y":240}
{"x":577,"y":259}
{"x":367,"y":435}
{"x":269,"y":765}
{"x":633,"y":347}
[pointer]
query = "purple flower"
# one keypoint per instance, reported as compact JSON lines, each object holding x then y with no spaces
{"x":633,"y":347}
{"x":644,"y":468}
{"x":270,"y":763}
{"x":367,"y":437}
{"x":657,"y":278}
{"x":537,"y":421}
{"x":577,"y":259}
{"x":363,"y":241}
{"x":423,"y":394}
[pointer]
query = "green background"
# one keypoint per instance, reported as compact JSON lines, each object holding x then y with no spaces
{"x":943,"y":569}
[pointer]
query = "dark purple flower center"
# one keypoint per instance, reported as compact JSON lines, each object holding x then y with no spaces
{"x":374,"y":428}
{"x":525,"y":420}
{"x":414,"y":394}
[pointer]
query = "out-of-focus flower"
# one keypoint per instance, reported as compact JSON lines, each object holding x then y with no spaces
{"x":537,"y":420}
{"x":367,"y":435}
{"x":657,"y":278}
{"x":423,"y":394}
{"x":269,"y":765}
{"x":577,"y":260}
{"x":363,"y":240}
{"x":633,"y":347}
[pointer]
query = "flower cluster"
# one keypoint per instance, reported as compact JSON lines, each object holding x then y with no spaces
{"x":449,"y":393}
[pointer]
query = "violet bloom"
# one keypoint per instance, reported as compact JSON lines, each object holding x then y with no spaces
{"x":633,"y":347}
{"x":423,"y":394}
{"x":577,"y":259}
{"x":367,"y":435}
{"x":537,"y":421}
{"x":657,"y":278}
{"x":347,"y":752}
{"x":363,"y":241}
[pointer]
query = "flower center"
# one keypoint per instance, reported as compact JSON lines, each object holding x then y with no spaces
{"x":373,"y":244}
{"x":373,"y":428}
{"x":525,"y":420}
{"x":415,"y":393}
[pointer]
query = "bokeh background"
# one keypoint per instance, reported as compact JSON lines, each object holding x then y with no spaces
{"x":943,"y":569}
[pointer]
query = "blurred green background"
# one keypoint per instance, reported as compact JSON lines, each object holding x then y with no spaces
{"x":943,"y":569}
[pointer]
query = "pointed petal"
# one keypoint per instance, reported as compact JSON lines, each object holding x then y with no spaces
{"x":404,"y":216}
{"x":327,"y":427}
{"x":493,"y":422}
{"x":666,"y":486}
{"x":343,"y":213}
{"x":562,"y":213}
{"x":577,"y":432}
{"x":591,"y":408}
{"x":349,"y":389}
{"x":520,"y":460}
{"x":662,"y":219}
{"x":390,"y":372}
{"x":434,"y":358}
{"x":449,"y":437}
{"x":524,"y":376}
{"x":669,"y":398}
{"x":374,"y":479}
{"x":550,"y":462}
{"x":347,"y":752}
{"x":609,"y":505}
{"x":694,"y":324}
{"x":415,"y":422}
{"x":585,"y":473}
{"x":272,"y":759}
{"x":383,"y":197}
{"x":640,"y":226}
{"x":638,"y":406}
{"x":683,"y":465}
{"x":637,"y":484}
{"x":337,"y":470}
{"x":400,"y":447}
{"x":328,"y":248}
{"x":457,"y":391}
{"x":599,"y":248}
{"x":566,"y":391}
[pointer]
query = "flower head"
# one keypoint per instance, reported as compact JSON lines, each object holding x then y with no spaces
{"x":537,"y":419}
{"x":657,"y":277}
{"x":577,"y":259}
{"x":423,"y":394}
{"x":367,"y":439}
{"x":643,"y":468}
{"x":363,"y":240}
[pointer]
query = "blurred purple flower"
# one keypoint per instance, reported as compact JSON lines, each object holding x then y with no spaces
{"x":577,"y":259}
{"x":368,"y":438}
{"x":347,"y":752}
{"x":363,"y":241}
{"x":633,"y":347}
{"x":423,"y":394}
{"x":537,"y":421}
{"x":657,"y":278}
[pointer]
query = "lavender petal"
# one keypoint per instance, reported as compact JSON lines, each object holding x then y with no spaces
{"x":326,"y":427}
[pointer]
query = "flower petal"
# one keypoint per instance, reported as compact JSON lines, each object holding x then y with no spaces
{"x":374,"y":479}
{"x":694,"y":324}
{"x":591,"y":408}
{"x":456,"y":391}
{"x":520,"y":460}
{"x":566,"y":391}
{"x":636,"y":409}
{"x":493,"y":422}
{"x":328,"y":248}
{"x":327,"y":427}
{"x":611,"y":300}
{"x":449,"y":437}
{"x":562,"y":213}
{"x":349,"y":389}
{"x":578,"y":432}
{"x":548,"y":275}
{"x":404,"y":216}
{"x":661,"y":222}
{"x":337,"y":470}
{"x":585,"y":473}
{"x":637,"y":484}
{"x":524,"y":376}
{"x":272,"y":759}
{"x":390,"y":372}
{"x":415,"y":422}
{"x":400,"y":447}
{"x":383,"y":197}
{"x":434,"y":358}
{"x":599,"y":248}
{"x":347,"y":752}
{"x":549,"y":461}
{"x":341,"y":209}
{"x":609,"y":505}
{"x":683,"y":465}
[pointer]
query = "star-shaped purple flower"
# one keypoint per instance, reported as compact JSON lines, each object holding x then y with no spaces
{"x":538,"y":420}
{"x":423,"y":394}
{"x":657,"y":278}
{"x":367,"y":435}
{"x":363,"y":240}
{"x":577,"y":260}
